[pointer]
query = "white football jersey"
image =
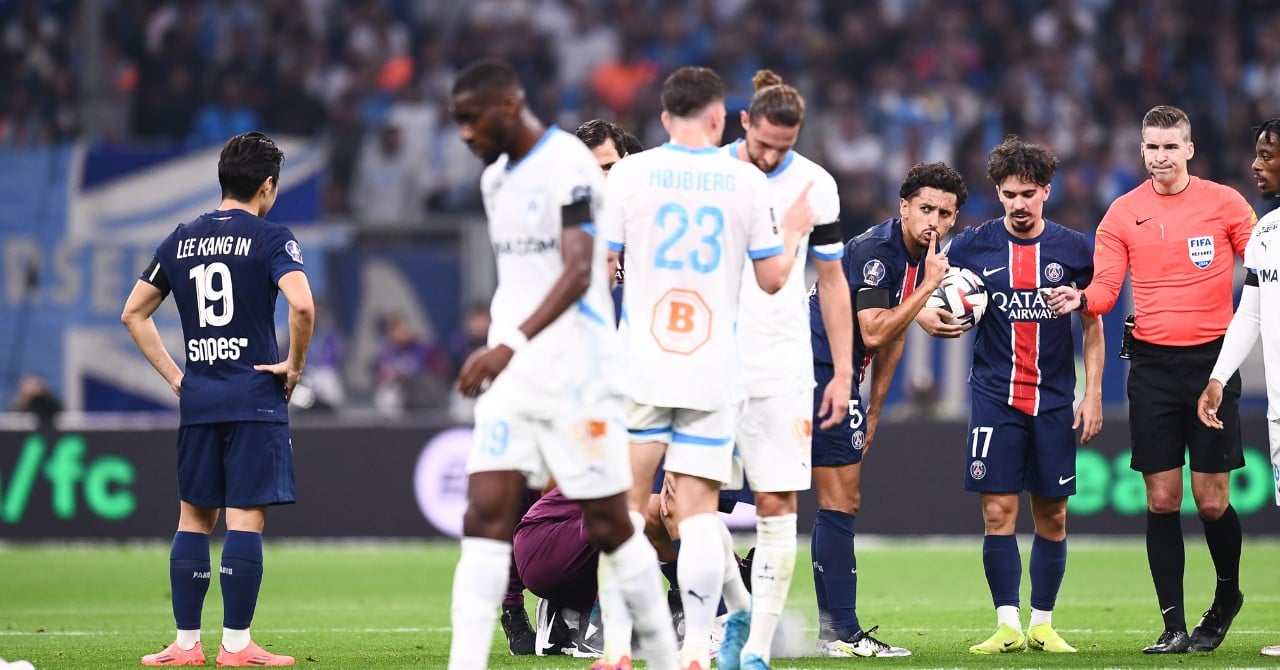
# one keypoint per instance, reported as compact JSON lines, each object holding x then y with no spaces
{"x":1262,"y":257}
{"x":689,"y":219}
{"x":576,"y":353}
{"x":773,"y":330}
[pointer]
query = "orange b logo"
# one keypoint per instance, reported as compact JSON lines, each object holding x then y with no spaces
{"x":681,"y":321}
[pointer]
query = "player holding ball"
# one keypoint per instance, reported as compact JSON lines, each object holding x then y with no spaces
{"x":1021,"y":424}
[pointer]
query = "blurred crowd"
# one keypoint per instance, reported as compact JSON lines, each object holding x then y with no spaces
{"x":889,"y":82}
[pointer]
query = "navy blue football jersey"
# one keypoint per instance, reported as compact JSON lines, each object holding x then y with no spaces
{"x":222,"y":269}
{"x":1023,"y":354}
{"x":876,"y":259}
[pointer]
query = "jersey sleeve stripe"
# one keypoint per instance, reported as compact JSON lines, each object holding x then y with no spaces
{"x":828,"y":252}
{"x":649,"y":431}
{"x":588,"y":228}
{"x":590,"y":313}
{"x":615,"y":246}
{"x":697,"y":441}
{"x":757,"y":254}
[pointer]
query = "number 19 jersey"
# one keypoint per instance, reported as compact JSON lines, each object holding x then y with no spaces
{"x":689,"y":219}
{"x":223,"y":270}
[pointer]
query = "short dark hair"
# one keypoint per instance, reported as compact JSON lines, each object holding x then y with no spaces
{"x":246,"y":161}
{"x":631,"y":144}
{"x":1167,"y":116}
{"x":937,"y":175}
{"x":593,"y":133}
{"x":689,"y":90}
{"x":1268,"y":131}
{"x":774,"y":101}
{"x":489,"y":75}
{"x":1015,"y":157}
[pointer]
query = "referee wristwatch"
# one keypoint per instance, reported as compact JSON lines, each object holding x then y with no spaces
{"x":1084,"y":303}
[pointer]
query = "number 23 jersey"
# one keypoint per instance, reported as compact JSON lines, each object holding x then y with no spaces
{"x":689,"y":219}
{"x":223,"y":270}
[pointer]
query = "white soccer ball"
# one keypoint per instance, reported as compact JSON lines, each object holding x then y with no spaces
{"x":962,"y":294}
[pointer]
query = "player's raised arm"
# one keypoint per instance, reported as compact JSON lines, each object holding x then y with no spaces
{"x":772,"y":270}
{"x":1110,"y":265}
{"x":143,"y":302}
{"x":882,"y":325}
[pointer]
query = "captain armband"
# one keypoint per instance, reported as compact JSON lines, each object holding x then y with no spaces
{"x":154,"y":275}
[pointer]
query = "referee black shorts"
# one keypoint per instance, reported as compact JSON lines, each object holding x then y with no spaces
{"x":1164,"y":385}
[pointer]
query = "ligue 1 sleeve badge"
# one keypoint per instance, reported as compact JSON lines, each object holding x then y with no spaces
{"x":873,"y":272}
{"x":295,"y":252}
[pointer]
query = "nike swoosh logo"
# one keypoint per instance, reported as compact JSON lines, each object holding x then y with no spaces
{"x":988,"y":272}
{"x":1139,"y":222}
{"x":1062,"y":481}
{"x":1010,"y":643}
{"x":1167,"y":609}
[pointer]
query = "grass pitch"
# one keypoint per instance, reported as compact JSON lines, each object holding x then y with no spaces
{"x":340,"y":605}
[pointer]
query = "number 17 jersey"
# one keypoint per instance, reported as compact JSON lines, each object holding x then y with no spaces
{"x":223,"y":270}
{"x":689,"y":219}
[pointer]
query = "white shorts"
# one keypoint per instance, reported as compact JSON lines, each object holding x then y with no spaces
{"x":698,"y":443}
{"x":584,"y":448}
{"x":775,"y":443}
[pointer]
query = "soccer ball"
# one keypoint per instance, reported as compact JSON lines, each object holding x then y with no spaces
{"x":962,"y":294}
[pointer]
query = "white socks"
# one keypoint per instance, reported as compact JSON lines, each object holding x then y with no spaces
{"x":1040,"y":617}
{"x":633,"y":569}
{"x":736,"y":596}
{"x":772,"y":567}
{"x":1007,"y":615}
{"x":187,"y":639}
{"x":478,"y":584}
{"x":701,"y":573}
{"x":613,"y":606}
{"x":234,"y":641}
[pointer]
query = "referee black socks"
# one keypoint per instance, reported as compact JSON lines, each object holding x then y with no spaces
{"x":1167,"y":558}
{"x":1224,"y":536}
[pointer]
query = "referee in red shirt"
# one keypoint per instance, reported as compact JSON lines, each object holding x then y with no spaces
{"x":1175,"y":234}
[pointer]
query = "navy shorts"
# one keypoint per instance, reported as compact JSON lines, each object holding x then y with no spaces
{"x":238,"y":464}
{"x":841,"y":445}
{"x":1008,"y":451}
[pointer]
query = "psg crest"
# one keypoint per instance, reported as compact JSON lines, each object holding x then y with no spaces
{"x":857,"y":439}
{"x":1053,"y":272}
{"x":977,"y":469}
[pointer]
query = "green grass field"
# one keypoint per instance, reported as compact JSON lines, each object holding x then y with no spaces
{"x":337,"y":605}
